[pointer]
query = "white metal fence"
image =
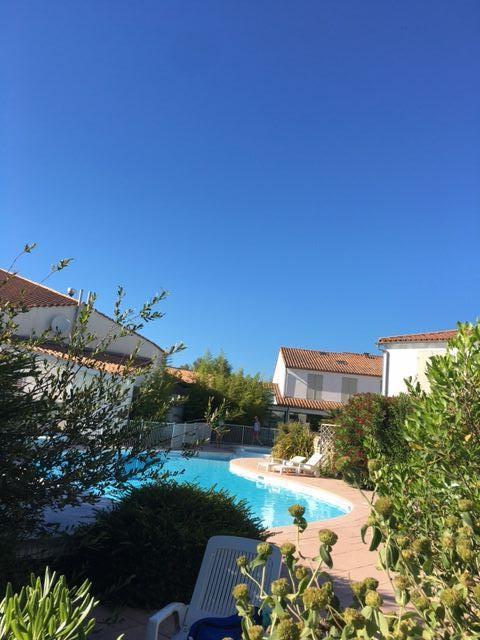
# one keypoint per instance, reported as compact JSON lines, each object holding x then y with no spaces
{"x":175,"y":435}
{"x":171,"y":435}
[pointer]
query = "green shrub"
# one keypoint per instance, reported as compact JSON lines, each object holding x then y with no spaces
{"x":147,"y":550}
{"x":47,"y":610}
{"x":294,"y":439}
{"x":428,"y":520}
{"x":369,"y":425}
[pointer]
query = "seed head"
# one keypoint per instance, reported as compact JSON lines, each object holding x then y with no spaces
{"x":403,"y":541}
{"x":401,"y":583}
{"x":242,"y":561}
{"x":296,"y":510}
{"x":315,"y":598}
{"x":370,"y":584}
{"x":451,"y":598}
{"x":280,"y":587}
{"x":354,"y":618}
{"x":420,"y":601}
{"x":255,"y":632}
{"x":264,"y":549}
{"x":358,"y":589}
{"x":240,"y":592}
{"x":373,"y":599}
{"x":465,"y":505}
{"x":301,"y":572}
{"x":287,"y":630}
{"x":384,"y":506}
{"x":451,"y":522}
{"x":422,"y":546}
{"x":287,"y":549}
{"x":464,"y":550}
{"x":447,"y":540}
{"x":328,"y":537}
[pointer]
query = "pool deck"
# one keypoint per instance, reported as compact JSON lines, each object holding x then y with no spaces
{"x":352,"y":561}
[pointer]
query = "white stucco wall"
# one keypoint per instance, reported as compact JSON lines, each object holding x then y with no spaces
{"x":280,"y":373}
{"x":83,"y":375}
{"x":39,"y":319}
{"x":101,"y":326}
{"x":296,"y":384}
{"x":405,"y":360}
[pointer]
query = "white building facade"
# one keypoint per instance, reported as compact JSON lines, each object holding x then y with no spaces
{"x":309,"y":383}
{"x":49,"y":314}
{"x":407,"y":356}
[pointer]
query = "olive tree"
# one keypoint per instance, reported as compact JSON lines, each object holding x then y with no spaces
{"x":64,"y":433}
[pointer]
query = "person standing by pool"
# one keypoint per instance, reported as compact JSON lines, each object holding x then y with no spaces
{"x":256,"y":430}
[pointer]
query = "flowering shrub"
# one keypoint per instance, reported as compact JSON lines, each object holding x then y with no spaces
{"x":369,"y":424}
{"x":294,"y":439}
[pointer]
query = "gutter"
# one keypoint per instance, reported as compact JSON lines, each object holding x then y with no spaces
{"x":386,"y":368}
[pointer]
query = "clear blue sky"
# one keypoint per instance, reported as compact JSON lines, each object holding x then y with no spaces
{"x":301,"y":173}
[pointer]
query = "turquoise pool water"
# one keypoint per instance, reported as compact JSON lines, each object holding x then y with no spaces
{"x":268,"y":502}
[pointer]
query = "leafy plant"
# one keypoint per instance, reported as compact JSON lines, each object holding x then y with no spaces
{"x":303,"y":603}
{"x":216,"y":417}
{"x":154,"y":397}
{"x":147,"y":550}
{"x":247,"y":396}
{"x":369,"y":424}
{"x":64,"y":433}
{"x":294,"y":439}
{"x":425,"y":515}
{"x":427,"y":518}
{"x":47,"y":609}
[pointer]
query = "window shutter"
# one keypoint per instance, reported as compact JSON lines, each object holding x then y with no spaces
{"x":314,"y":386}
{"x":349,"y":388}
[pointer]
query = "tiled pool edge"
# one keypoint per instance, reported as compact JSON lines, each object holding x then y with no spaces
{"x":293,"y":483}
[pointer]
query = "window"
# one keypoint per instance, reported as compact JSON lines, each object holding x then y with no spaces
{"x":314,"y":386}
{"x":349,"y":388}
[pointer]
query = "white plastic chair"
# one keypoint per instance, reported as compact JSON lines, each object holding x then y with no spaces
{"x":212,"y":595}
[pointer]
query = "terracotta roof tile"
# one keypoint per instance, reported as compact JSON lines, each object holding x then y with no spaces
{"x":433,"y":336}
{"x":185,"y":375}
{"x":107,"y":361}
{"x":302,"y":403}
{"x":363,"y":364}
{"x":19,"y":290}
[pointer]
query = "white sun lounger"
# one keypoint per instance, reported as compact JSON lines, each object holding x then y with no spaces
{"x":269,"y":464}
{"x":212,"y":595}
{"x":307,"y":467}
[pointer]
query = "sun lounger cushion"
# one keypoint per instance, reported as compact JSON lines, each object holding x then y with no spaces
{"x":217,"y":628}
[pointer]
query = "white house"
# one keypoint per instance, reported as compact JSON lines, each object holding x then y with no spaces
{"x":406,"y":356}
{"x":308,"y":384}
{"x":50,"y":313}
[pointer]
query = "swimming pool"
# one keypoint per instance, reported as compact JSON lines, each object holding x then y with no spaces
{"x":268,"y":502}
